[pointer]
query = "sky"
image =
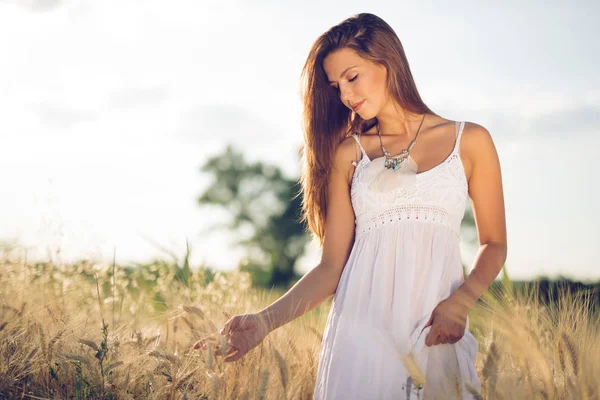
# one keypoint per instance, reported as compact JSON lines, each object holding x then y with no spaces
{"x":108,"y":110}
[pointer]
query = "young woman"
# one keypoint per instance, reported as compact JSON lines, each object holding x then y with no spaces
{"x":385,"y":184}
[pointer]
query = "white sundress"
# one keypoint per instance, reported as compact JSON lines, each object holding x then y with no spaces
{"x":405,"y":260}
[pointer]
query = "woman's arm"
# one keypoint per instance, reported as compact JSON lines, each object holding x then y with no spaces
{"x":312,"y":289}
{"x":487,"y":200}
{"x":448,"y":319}
{"x":321,"y":282}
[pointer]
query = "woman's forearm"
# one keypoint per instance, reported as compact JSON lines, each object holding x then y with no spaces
{"x":312,"y":289}
{"x":488,"y":263}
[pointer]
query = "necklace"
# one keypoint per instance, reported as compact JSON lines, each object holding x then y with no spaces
{"x":395,"y":162}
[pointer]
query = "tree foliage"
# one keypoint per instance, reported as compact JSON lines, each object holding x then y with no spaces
{"x":264,"y":208}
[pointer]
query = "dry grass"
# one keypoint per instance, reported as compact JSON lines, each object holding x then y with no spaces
{"x":75,"y":332}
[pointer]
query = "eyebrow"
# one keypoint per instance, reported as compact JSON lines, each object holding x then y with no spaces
{"x":342,"y":74}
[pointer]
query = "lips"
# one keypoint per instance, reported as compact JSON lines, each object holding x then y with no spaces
{"x":357,"y":105}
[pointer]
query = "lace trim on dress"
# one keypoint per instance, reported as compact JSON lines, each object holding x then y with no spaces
{"x":405,"y":212}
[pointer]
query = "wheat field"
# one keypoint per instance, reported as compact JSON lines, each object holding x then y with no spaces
{"x":93,"y":331}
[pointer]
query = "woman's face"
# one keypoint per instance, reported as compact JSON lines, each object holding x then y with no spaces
{"x":357,"y":81}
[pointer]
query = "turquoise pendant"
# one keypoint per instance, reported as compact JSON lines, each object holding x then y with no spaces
{"x":394,"y":164}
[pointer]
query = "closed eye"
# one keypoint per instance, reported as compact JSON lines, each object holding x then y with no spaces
{"x":349,"y":80}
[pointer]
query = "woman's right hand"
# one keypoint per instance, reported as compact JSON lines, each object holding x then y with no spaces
{"x":243,"y":332}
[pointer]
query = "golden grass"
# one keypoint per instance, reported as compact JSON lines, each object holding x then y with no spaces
{"x":81,"y":332}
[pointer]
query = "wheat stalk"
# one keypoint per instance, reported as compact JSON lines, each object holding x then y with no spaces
{"x":31,"y":354}
{"x":215,"y":385}
{"x":113,"y":365}
{"x":262,"y":388}
{"x":561,"y":356}
{"x":413,"y":369}
{"x":55,"y":339}
{"x":316,"y":332}
{"x":476,"y":395}
{"x":193,"y":310}
{"x":572,"y":352}
{"x":77,"y":357}
{"x":89,"y":343}
{"x":185,"y":377}
{"x":490,"y":369}
{"x":43,"y":341}
{"x":210,"y":356}
{"x":235,"y":389}
{"x":282,"y":369}
{"x":170,"y":357}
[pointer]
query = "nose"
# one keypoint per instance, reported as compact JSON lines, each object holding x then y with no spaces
{"x":346,"y":95}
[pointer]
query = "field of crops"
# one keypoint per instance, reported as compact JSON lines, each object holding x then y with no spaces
{"x":112,"y":332}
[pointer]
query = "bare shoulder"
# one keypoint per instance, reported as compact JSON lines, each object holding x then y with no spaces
{"x":474,"y":136}
{"x":485,"y":185}
{"x":476,"y":143}
{"x":345,"y":154}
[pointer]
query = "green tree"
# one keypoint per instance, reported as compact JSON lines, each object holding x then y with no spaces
{"x":265,"y":203}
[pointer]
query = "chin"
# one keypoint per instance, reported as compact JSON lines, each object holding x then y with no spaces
{"x":365,"y":115}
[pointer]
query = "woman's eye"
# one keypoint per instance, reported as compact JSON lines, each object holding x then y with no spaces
{"x":349,"y":80}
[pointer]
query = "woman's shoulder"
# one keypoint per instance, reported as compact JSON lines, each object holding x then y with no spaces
{"x":474,"y":136}
{"x":474,"y":129}
{"x":346,"y":155}
{"x":476,"y":141}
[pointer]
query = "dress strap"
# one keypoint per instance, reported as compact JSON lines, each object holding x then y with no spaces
{"x":459,"y":128}
{"x":362,"y":150}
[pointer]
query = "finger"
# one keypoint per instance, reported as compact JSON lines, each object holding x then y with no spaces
{"x":434,"y":332}
{"x":440,"y":339}
{"x":454,"y":339}
{"x":436,"y":337}
{"x":428,"y":339}
{"x":225,"y":329}
{"x":202,"y":343}
{"x":444,"y":333}
{"x":205,"y":342}
{"x":234,"y":357}
{"x":226,"y":346}
{"x":431,"y":337}
{"x":231,"y":325}
{"x":230,"y":351}
{"x":444,"y":339}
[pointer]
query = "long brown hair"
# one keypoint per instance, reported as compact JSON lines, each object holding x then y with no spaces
{"x":327,"y":121}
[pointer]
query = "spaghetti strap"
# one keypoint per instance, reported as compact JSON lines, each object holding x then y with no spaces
{"x":362,"y":150}
{"x":459,"y":130}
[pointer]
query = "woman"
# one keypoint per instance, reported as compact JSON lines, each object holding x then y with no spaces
{"x":385,"y":184}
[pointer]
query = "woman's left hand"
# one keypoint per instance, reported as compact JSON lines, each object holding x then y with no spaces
{"x":448,"y":321}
